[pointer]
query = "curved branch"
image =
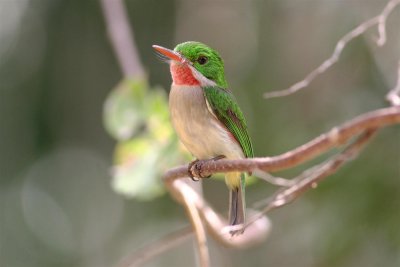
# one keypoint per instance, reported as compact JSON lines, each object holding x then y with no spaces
{"x":379,"y":20}
{"x":139,"y":257}
{"x":258,"y":226}
{"x":215,"y":224}
{"x":198,"y":227}
{"x":336,"y":137}
{"x":310,"y":177}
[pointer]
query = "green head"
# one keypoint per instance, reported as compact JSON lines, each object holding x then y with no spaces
{"x":200,"y":57}
{"x":205,"y":60}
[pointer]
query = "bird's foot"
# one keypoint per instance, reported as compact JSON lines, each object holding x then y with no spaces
{"x":195,"y":168}
{"x":190,"y":172}
{"x":234,"y":230}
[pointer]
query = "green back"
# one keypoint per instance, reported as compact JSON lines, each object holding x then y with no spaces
{"x":224,"y":106}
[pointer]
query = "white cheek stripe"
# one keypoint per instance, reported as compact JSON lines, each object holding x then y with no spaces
{"x":200,"y":77}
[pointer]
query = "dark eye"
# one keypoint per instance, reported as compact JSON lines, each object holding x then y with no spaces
{"x":202,"y":60}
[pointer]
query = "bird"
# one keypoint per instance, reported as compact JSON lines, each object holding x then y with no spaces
{"x":206,"y":116}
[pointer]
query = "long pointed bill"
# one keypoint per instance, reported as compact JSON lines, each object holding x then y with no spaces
{"x":169,"y":53}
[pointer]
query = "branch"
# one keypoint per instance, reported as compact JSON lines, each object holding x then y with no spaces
{"x":379,"y":20}
{"x":190,"y":200}
{"x":122,"y":38}
{"x":258,"y":227}
{"x":163,"y":244}
{"x":334,"y":138}
{"x":215,"y":224}
{"x":309,"y":178}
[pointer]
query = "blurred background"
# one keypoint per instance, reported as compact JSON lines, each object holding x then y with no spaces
{"x":57,"y":67}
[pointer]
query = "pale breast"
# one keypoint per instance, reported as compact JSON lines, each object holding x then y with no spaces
{"x":197,"y":128}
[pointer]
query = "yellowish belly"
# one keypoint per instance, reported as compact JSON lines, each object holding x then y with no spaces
{"x":198,"y":129}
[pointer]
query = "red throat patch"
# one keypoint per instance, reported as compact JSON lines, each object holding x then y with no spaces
{"x":182,"y":74}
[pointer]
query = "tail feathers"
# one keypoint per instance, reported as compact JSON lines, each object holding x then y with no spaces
{"x":237,"y":206}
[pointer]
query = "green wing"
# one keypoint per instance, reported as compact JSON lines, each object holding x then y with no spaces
{"x":224,"y":106}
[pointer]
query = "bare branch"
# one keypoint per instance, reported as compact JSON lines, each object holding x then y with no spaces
{"x":267,"y":177}
{"x":334,"y":138}
{"x":190,"y":199}
{"x":305,"y":181}
{"x":121,"y":37}
{"x":309,"y":178}
{"x":163,"y":244}
{"x":200,"y":233}
{"x":214,"y":222}
{"x":382,"y":21}
{"x":394,"y":95}
{"x":257,"y":229}
{"x":379,"y":20}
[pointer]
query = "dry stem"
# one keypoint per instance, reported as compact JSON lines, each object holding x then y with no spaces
{"x":334,"y":138}
{"x":310,"y":177}
{"x":379,"y":20}
{"x":163,"y":244}
{"x":256,"y":229}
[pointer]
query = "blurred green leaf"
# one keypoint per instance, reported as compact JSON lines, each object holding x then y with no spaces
{"x":136,"y":175}
{"x":138,"y":118}
{"x":123,"y":111}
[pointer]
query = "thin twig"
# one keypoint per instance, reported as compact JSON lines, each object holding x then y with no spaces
{"x":379,"y":20}
{"x":190,"y":201}
{"x":141,"y":256}
{"x":196,"y":205}
{"x":257,"y":229}
{"x":267,"y":177}
{"x":334,"y":138}
{"x":309,"y":178}
{"x":382,"y":21}
{"x":394,"y":95}
{"x":122,"y":38}
{"x":215,"y":224}
{"x":304,"y":182}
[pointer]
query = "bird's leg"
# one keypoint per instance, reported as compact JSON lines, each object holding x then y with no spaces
{"x":197,"y":164}
{"x":194,"y":179}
